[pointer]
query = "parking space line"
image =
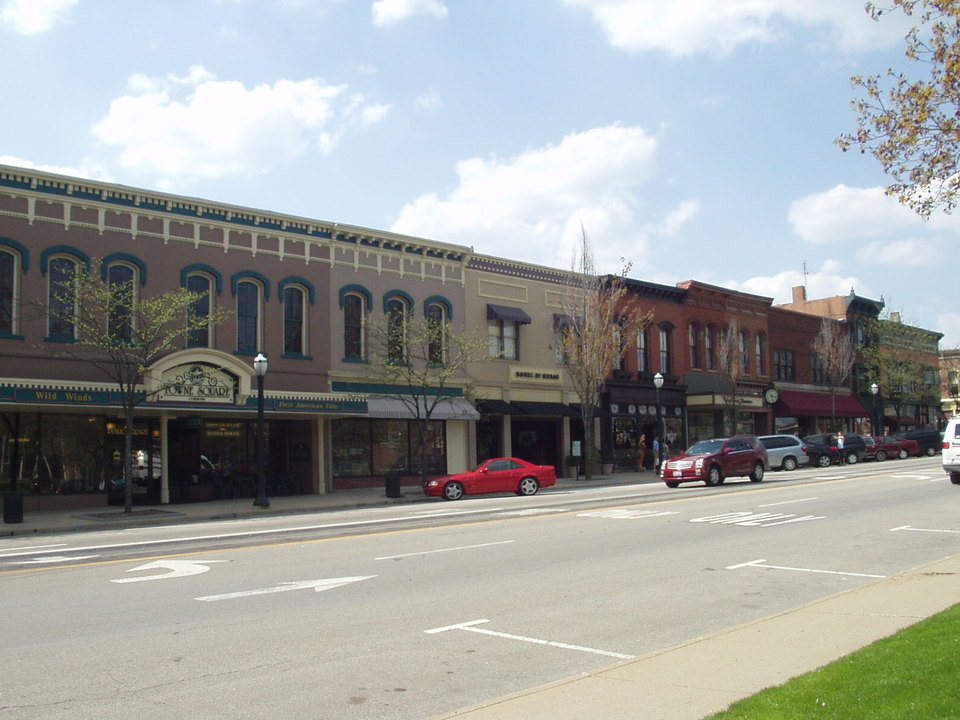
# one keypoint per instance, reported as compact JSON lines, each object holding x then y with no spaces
{"x":471,"y":626}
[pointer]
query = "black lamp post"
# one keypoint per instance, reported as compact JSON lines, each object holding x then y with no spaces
{"x":260,"y":368}
{"x":874,"y":389}
{"x":658,"y":383}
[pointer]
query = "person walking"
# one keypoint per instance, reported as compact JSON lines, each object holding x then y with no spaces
{"x":656,"y":454}
{"x":840,"y":447}
{"x":641,"y":453}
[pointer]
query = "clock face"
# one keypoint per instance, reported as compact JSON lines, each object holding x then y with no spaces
{"x":771,"y":395}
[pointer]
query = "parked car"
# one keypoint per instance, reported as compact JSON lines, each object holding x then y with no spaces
{"x":713,"y":461}
{"x":928,"y":439}
{"x":854,"y":448}
{"x":785,"y":452}
{"x":820,"y":453}
{"x":881,"y":447}
{"x":491,"y":476}
{"x":951,"y":450}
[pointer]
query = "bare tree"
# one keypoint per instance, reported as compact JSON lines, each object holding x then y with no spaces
{"x":597,"y":319}
{"x":731,"y":358}
{"x":121,"y":333}
{"x":419,"y":362}
{"x":833,"y":348}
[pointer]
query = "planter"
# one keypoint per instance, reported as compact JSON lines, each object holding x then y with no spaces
{"x":606,"y":468}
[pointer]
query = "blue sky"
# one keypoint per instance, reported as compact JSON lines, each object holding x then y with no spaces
{"x":693,"y":138}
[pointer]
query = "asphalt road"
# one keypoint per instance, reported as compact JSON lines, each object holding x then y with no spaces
{"x":414,"y":610}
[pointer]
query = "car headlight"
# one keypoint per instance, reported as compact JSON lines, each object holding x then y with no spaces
{"x":699,"y":464}
{"x":432,"y":483}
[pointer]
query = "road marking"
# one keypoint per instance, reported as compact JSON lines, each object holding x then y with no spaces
{"x":175,"y":569}
{"x":53,"y":559}
{"x":432,"y":552}
{"x":623,"y":514}
{"x":759,"y":563}
{"x":451,"y":513}
{"x":531,"y":511}
{"x":751,"y":519}
{"x":789,"y":502}
{"x":32,"y":550}
{"x":911,"y":477}
{"x":470,"y":626}
{"x":317,"y":585}
{"x":907,"y":527}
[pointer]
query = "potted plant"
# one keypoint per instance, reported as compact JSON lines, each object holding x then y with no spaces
{"x":606,"y":461}
{"x":574,"y":463}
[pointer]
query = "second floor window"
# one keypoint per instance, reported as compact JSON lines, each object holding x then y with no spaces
{"x":665,"y":350}
{"x":743,"y":352}
{"x":708,"y":346}
{"x":437,"y":331}
{"x":784,"y":365}
{"x":62,"y":299}
{"x":354,"y":310}
{"x":502,"y":339}
{"x":760,"y":350}
{"x":294,"y":325}
{"x":643,"y":357}
{"x":396,"y":331}
{"x":120,"y":314}
{"x":8,"y":278}
{"x":693,"y":339}
{"x":248,"y":317}
{"x":199,"y":334}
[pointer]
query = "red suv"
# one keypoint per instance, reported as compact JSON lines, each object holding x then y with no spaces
{"x":713,"y":461}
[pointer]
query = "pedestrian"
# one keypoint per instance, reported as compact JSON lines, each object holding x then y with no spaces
{"x":840,"y":447}
{"x":641,"y":453}
{"x":656,"y":454}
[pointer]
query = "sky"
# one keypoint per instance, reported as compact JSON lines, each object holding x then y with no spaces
{"x":689,"y":139}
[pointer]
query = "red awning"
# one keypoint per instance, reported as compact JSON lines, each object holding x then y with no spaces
{"x":797,"y":402}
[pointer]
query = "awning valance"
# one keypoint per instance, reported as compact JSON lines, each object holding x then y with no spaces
{"x":449,"y":408}
{"x":497,"y":407}
{"x":797,"y":402}
{"x":545,"y":408}
{"x":510,"y":314}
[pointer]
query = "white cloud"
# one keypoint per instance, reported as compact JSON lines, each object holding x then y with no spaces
{"x":949,"y":325}
{"x":912,"y":251}
{"x":428,"y":101}
{"x":390,"y":12}
{"x":32,"y":17}
{"x":89,"y":169}
{"x":530,"y":206}
{"x":825,"y":281}
{"x":180,"y":130}
{"x":687,"y":27}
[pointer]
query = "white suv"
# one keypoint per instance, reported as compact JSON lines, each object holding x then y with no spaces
{"x":951,"y":450}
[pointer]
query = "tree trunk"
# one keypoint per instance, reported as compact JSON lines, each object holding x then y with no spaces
{"x":128,"y":460}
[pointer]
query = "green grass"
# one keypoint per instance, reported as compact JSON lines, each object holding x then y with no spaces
{"x":914,"y":675}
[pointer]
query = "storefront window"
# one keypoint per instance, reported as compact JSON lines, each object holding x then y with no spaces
{"x":364,"y":447}
{"x":351,"y":447}
{"x":625,"y":437}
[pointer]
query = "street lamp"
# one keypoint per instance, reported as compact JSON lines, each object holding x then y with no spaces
{"x":874,"y":389}
{"x":658,"y":383}
{"x":260,"y":368}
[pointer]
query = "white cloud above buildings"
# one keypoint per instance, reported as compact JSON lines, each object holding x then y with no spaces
{"x":391,"y":12}
{"x":185,"y":129}
{"x":32,"y":17}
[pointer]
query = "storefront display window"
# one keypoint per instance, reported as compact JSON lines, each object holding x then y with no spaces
{"x":365,"y":447}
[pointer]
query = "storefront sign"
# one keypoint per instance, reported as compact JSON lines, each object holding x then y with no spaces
{"x":320,"y":406}
{"x":64,"y":397}
{"x":548,"y":376}
{"x":197,"y":384}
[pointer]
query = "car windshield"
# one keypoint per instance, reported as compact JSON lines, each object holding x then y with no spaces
{"x":705,"y":447}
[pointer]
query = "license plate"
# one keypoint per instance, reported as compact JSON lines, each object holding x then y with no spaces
{"x":677,"y":473}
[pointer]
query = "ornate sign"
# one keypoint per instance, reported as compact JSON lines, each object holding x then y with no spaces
{"x":197,"y":383}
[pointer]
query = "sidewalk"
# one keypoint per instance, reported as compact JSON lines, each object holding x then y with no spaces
{"x":685,"y":682}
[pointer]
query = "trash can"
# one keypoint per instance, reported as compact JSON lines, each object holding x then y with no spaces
{"x":13,"y":507}
{"x":393,"y":485}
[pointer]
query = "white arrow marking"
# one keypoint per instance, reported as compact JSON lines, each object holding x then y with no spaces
{"x":318,"y":585}
{"x":175,"y":568}
{"x":759,"y":563}
{"x":470,"y":626}
{"x":53,"y":559}
{"x":907,"y":527}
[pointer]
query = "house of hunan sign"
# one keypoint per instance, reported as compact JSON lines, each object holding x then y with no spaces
{"x":197,"y":383}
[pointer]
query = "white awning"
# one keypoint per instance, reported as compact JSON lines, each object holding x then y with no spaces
{"x":450,"y":408}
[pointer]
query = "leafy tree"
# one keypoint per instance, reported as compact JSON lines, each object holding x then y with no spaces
{"x":122,"y":333}
{"x":912,"y":126}
{"x":418,"y":360}
{"x":833,"y":347}
{"x":598,"y":319}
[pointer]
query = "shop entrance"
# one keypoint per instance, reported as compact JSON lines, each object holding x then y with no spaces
{"x":536,"y":441}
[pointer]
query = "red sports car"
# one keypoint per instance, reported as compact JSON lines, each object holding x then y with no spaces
{"x":491,"y":476}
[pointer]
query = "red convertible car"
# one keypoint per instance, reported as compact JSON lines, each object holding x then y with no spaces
{"x":495,"y":475}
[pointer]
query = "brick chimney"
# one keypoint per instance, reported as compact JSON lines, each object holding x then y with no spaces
{"x":799,"y":294}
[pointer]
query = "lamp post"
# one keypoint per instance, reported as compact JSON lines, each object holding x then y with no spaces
{"x":260,"y":368}
{"x":874,"y":389}
{"x":658,"y":383}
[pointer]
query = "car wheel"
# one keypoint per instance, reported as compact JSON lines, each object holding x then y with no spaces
{"x":757,"y":474}
{"x":789,"y":463}
{"x":881,"y":455}
{"x":955,"y":478}
{"x":823,"y":461}
{"x":673,"y":484}
{"x":452,"y":491}
{"x":528,"y":486}
{"x":931,"y":451}
{"x":852,"y":458}
{"x":714,"y":477}
{"x":903,"y":454}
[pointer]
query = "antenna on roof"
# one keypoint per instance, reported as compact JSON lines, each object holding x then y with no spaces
{"x":804,"y":273}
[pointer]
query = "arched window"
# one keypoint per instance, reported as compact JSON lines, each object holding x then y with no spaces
{"x":8,"y":288}
{"x":437,"y":333}
{"x":199,"y":335}
{"x":248,"y":317}
{"x":294,"y":320}
{"x":397,"y":311}
{"x":62,"y":298}
{"x":666,"y":331}
{"x":760,"y":352}
{"x":355,"y":308}
{"x":122,"y":283}
{"x":643,"y":356}
{"x":693,"y":340}
{"x":743,"y":352}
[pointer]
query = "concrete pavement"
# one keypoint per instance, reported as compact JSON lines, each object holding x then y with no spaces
{"x":685,"y":682}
